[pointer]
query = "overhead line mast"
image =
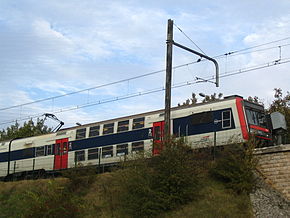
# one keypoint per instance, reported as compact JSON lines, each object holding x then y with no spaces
{"x":170,"y":42}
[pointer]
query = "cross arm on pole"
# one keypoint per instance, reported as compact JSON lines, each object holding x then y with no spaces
{"x":204,"y":56}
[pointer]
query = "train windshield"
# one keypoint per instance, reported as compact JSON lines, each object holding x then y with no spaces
{"x":256,"y":117}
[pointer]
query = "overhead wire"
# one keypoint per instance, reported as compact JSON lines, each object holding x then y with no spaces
{"x":188,"y":38}
{"x":256,"y":46}
{"x":146,"y":92}
{"x":95,"y":87}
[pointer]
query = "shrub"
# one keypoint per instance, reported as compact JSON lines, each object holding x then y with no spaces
{"x":80,"y":179}
{"x":48,"y":199}
{"x":235,"y":166}
{"x":149,"y":187}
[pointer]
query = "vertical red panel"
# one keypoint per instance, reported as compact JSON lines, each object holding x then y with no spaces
{"x":158,"y":136}
{"x":61,"y":154}
{"x":242,"y":118}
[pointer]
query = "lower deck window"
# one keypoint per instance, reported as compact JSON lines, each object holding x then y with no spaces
{"x":122,"y":149}
{"x":79,"y":156}
{"x":138,"y":146}
{"x":107,"y":152}
{"x":93,"y":154}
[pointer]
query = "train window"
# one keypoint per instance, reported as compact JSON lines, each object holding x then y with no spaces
{"x":226,"y":119}
{"x":81,"y":133}
{"x":94,"y":131}
{"x":65,"y":147}
{"x":49,"y":149}
{"x":202,"y":118}
{"x":137,"y":146}
{"x":122,"y":149}
{"x":93,"y":153}
{"x":108,"y":128}
{"x":123,"y":126}
{"x":107,"y":152}
{"x":138,"y":123}
{"x":39,"y":151}
{"x":157,"y":133}
{"x":57,"y":149}
{"x":255,"y":117}
{"x":28,"y":152}
{"x":79,"y":156}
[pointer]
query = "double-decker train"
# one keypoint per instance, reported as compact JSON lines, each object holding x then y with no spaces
{"x":107,"y":142}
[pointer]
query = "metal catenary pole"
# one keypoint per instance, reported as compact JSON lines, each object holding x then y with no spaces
{"x":168,"y":80}
{"x":170,"y":44}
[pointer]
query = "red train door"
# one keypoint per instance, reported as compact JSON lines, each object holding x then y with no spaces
{"x":61,"y":154}
{"x":158,"y":135}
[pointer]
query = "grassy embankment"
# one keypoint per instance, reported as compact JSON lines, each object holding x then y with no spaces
{"x":177,"y":183}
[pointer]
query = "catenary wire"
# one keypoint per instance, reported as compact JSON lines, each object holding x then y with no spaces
{"x":179,"y":85}
{"x":188,"y":38}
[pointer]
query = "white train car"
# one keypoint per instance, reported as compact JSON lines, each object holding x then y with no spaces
{"x":106,"y":143}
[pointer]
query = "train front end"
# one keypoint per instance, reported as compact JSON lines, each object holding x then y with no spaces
{"x":257,"y":123}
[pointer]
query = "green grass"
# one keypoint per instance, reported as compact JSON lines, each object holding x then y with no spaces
{"x":215,"y":201}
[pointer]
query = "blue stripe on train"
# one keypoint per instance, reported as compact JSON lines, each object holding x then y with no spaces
{"x":112,"y":139}
{"x":183,"y":126}
{"x":18,"y":155}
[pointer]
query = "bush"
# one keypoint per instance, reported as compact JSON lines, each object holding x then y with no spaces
{"x":80,"y":179}
{"x":149,"y":187}
{"x":48,"y":199}
{"x":235,"y":166}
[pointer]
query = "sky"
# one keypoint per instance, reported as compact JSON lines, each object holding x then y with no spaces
{"x":53,"y":48}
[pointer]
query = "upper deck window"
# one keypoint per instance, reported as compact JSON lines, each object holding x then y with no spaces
{"x":123,"y":126}
{"x":94,"y":131}
{"x":81,"y":133}
{"x":226,"y":119}
{"x":202,"y":118}
{"x":108,"y":128}
{"x":138,"y":123}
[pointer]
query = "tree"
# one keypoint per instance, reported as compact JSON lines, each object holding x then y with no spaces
{"x":213,"y":97}
{"x":282,"y":105}
{"x":27,"y":130}
{"x":255,"y":99}
{"x":207,"y":98}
